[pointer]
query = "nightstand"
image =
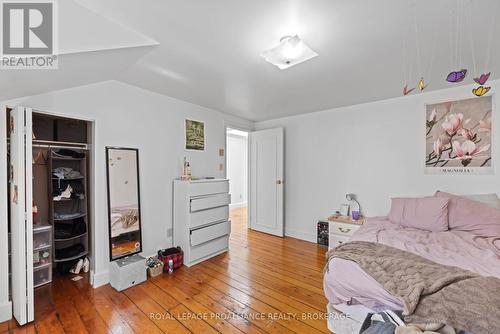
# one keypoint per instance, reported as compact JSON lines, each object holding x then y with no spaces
{"x":341,"y":229}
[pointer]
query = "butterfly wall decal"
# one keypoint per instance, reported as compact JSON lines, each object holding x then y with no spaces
{"x":407,"y":91}
{"x":457,"y":76}
{"x":482,"y":79}
{"x":422,"y":85}
{"x":481,"y":90}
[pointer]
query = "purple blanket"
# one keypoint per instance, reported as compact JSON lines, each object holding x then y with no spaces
{"x":346,"y":282}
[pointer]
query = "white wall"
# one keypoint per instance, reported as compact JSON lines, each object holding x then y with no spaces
{"x":131,"y":117}
{"x":237,"y":169}
{"x":375,"y":150}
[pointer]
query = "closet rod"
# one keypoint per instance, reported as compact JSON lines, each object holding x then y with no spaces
{"x":57,"y":144}
{"x":60,"y":146}
{"x":50,"y":142}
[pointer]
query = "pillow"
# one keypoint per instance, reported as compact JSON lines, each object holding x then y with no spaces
{"x":428,"y":213}
{"x":490,"y":200}
{"x":471,"y":216}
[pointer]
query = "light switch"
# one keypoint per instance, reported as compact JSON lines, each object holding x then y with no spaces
{"x":221,"y":167}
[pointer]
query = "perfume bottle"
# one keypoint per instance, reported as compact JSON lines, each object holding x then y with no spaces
{"x":188,"y":171}
{"x":184,"y":175}
{"x":170,"y":266}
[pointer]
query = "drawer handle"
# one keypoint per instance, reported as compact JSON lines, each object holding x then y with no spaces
{"x":344,"y":230}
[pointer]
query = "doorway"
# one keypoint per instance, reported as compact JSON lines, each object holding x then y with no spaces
{"x":237,"y":173}
{"x":255,"y":169}
{"x":49,"y":208}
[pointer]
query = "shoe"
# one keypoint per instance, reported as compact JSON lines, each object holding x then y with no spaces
{"x":86,"y":265}
{"x":77,"y":267}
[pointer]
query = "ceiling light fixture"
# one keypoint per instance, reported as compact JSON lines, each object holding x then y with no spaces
{"x":291,"y":51}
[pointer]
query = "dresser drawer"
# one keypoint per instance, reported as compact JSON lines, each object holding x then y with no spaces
{"x":204,"y":217}
{"x":343,"y":229}
{"x":209,"y":202}
{"x":208,"y":249}
{"x":205,"y":234}
{"x":336,"y":240}
{"x":208,"y":188}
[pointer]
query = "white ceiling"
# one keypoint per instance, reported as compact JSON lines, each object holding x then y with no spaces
{"x":208,"y":51}
{"x":91,"y":49}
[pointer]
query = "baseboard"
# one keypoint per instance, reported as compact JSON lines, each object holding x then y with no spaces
{"x":5,"y":311}
{"x":311,"y":237}
{"x":238,"y":205}
{"x":99,"y":279}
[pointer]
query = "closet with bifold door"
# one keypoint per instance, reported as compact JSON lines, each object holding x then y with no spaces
{"x":49,"y":161}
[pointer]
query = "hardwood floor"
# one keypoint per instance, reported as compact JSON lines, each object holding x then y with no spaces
{"x":264,"y":284}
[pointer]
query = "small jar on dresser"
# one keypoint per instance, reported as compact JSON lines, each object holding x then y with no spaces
{"x":201,"y":218}
{"x":341,"y":229}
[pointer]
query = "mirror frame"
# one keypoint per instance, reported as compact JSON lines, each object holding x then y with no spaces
{"x":109,"y":148}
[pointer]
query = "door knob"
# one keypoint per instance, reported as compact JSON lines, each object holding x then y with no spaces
{"x":280,"y":182}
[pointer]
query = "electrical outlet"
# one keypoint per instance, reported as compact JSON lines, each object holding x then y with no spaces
{"x":170,"y":232}
{"x":221,"y":167}
{"x":221,"y":152}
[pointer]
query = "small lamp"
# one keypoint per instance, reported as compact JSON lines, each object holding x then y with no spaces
{"x":355,"y":214}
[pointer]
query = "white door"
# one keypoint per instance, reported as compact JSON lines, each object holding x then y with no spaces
{"x":21,"y":216}
{"x":266,"y":181}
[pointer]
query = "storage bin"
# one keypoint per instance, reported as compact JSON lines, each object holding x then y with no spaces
{"x":157,"y":270}
{"x":42,"y":256}
{"x":42,"y":236}
{"x":43,"y":128}
{"x":175,"y":254}
{"x":71,"y":130}
{"x":42,"y":275}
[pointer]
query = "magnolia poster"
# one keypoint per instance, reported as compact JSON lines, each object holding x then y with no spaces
{"x":458,"y":137}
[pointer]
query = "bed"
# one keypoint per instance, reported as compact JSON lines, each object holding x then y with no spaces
{"x":350,"y":290}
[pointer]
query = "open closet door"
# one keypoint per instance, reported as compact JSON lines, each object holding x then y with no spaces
{"x":266,"y":181}
{"x":21,"y":214}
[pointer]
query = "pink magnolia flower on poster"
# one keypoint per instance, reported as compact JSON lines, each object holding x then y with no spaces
{"x":438,"y":147}
{"x":485,"y":125}
{"x":433,"y":116}
{"x":458,"y":136}
{"x":452,"y":123}
{"x":445,"y":139}
{"x":468,"y":149}
{"x":467,"y":133}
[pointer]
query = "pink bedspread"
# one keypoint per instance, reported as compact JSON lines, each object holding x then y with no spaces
{"x":346,"y":282}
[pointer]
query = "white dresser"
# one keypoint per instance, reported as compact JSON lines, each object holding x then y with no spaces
{"x":341,"y":230}
{"x":201,"y":218}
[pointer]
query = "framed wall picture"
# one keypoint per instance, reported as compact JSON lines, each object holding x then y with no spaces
{"x":458,"y":137}
{"x":124,"y":209}
{"x":194,"y":134}
{"x":344,"y":210}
